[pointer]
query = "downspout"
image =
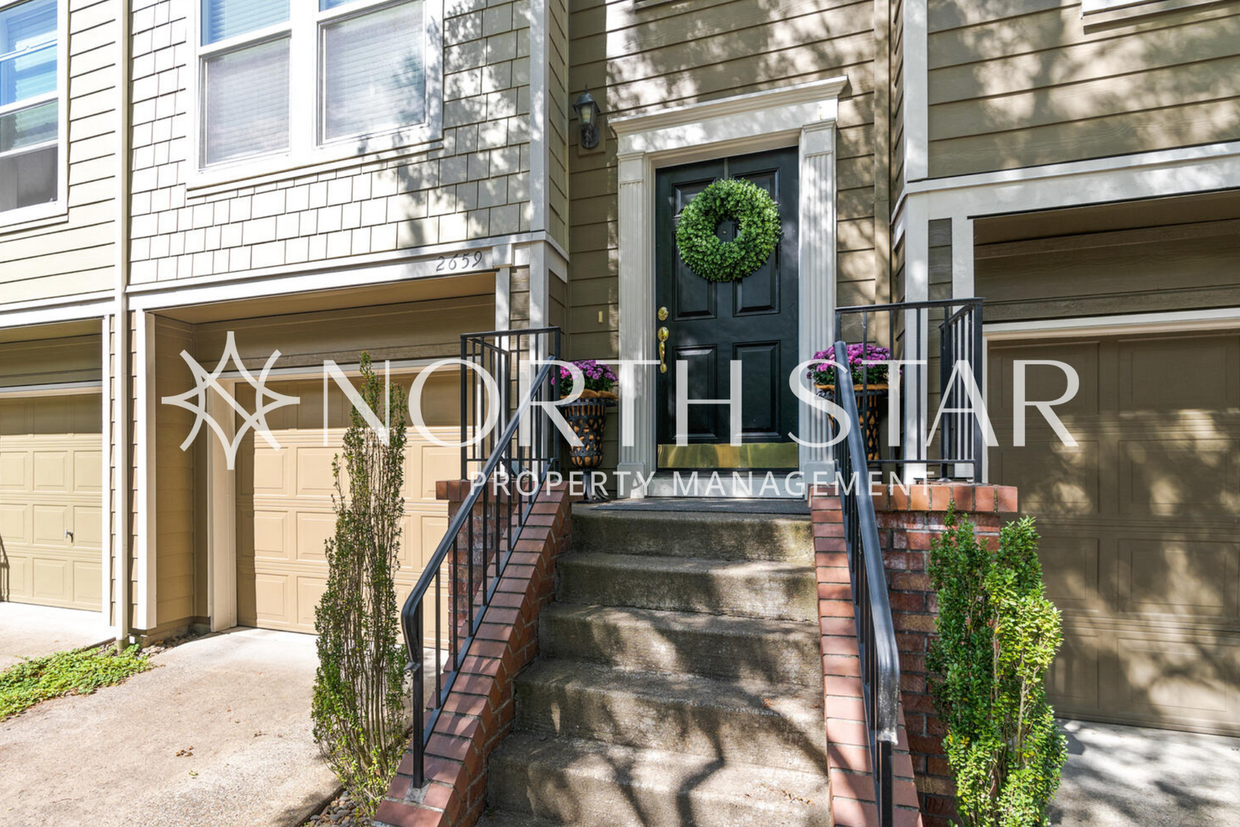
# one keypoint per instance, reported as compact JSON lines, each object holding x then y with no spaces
{"x":122,"y":378}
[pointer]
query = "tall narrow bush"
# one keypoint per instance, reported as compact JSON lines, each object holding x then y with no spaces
{"x":360,"y":720}
{"x":998,"y":634}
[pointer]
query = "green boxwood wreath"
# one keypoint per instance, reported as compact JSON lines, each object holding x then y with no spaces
{"x":714,"y":259}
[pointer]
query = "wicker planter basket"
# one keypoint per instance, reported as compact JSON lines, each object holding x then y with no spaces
{"x":871,"y":402}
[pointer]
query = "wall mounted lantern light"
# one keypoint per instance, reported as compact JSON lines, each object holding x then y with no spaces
{"x":587,"y":116}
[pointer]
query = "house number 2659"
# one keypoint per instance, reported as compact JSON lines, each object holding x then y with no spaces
{"x":459,"y":261}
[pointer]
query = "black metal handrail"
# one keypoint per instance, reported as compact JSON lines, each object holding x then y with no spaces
{"x":515,"y":465}
{"x":901,"y":328}
{"x":876,"y":636}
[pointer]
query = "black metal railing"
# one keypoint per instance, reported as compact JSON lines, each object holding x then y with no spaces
{"x":876,"y":636}
{"x":949,"y":332}
{"x":514,"y":449}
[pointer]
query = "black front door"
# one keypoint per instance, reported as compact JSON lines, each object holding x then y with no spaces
{"x":752,"y":321}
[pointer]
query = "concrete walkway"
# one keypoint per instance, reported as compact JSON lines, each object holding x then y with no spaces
{"x":238,"y":702}
{"x":1119,"y":776}
{"x":32,"y":631}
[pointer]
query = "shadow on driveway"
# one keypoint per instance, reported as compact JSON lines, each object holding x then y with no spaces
{"x":1118,"y":776}
{"x":238,"y":702}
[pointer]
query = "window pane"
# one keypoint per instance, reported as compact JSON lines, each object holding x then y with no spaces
{"x":245,"y":102}
{"x":27,"y":51}
{"x":29,"y":127}
{"x":29,"y":179}
{"x":373,"y":72}
{"x":222,"y":19}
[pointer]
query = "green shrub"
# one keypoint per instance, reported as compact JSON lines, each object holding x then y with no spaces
{"x":80,"y":672}
{"x":360,"y":718}
{"x":998,"y":634}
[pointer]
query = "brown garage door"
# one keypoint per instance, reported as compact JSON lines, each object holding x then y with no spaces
{"x":51,"y":454}
{"x":1139,"y":522}
{"x":284,"y":505}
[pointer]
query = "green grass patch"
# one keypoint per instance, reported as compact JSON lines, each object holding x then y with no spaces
{"x":25,"y":684}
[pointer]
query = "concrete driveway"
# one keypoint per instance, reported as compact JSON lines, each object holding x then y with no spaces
{"x":32,"y":631}
{"x":1118,"y":776}
{"x":239,"y":702}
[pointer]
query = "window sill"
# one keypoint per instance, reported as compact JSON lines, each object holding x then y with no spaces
{"x":32,"y":218}
{"x":1109,"y":12}
{"x":268,"y":169}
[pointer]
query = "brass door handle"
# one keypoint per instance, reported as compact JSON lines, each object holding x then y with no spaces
{"x":663,"y":334}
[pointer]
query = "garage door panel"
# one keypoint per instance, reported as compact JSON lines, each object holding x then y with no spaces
{"x":15,"y":524}
{"x":1178,"y":477}
{"x":51,"y":472}
{"x":309,"y":593}
{"x":1180,"y":678}
{"x":271,"y":536}
{"x":1072,"y":682}
{"x":14,"y":471}
{"x":88,"y":471}
{"x":272,"y":599}
{"x":87,"y":528}
{"x":313,"y":532}
{"x":87,"y":582}
{"x":1205,"y":387}
{"x":1072,"y":567}
{"x":15,"y":575}
{"x":50,"y":523}
{"x":1179,"y":577}
{"x":314,"y":471}
{"x":51,"y":580}
{"x":271,"y":475}
{"x":1049,"y":473}
{"x":1045,"y":382}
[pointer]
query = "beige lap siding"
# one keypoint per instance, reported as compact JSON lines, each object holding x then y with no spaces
{"x":1023,"y":84}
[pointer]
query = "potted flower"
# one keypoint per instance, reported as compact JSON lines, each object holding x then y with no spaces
{"x":869,"y":383}
{"x":587,"y":415}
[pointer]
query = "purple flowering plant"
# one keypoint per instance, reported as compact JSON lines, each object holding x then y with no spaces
{"x":859,"y":356}
{"x":599,"y":378}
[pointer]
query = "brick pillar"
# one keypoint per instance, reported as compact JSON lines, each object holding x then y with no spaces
{"x":907,"y":523}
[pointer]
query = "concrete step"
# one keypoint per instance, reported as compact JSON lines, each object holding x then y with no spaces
{"x":774,"y":651}
{"x":592,"y":784}
{"x":737,"y":721}
{"x":716,"y":535}
{"x":748,"y":588}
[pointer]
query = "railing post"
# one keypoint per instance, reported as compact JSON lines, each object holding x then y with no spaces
{"x":418,"y":771}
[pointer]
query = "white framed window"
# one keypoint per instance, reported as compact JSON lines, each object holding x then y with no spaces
{"x":33,"y":163}
{"x":288,"y":83}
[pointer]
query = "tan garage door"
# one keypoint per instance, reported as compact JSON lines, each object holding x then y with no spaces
{"x":1141,"y":547}
{"x":51,"y":454}
{"x":284,"y":502}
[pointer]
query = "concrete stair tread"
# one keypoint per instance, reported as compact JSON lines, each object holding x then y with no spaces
{"x":749,"y":588}
{"x":595,"y":784}
{"x":741,"y":720}
{"x":694,"y":690}
{"x":709,"y":534}
{"x":778,"y":651}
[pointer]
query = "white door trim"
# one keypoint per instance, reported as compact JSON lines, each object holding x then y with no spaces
{"x":803,"y":115}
